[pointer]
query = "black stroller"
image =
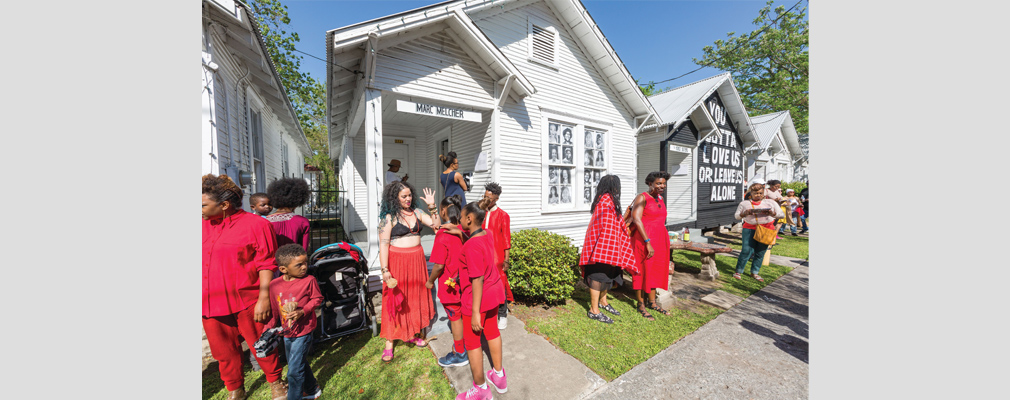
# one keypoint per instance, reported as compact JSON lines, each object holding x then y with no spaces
{"x":342,"y":273}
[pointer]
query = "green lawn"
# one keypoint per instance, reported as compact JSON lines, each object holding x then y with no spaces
{"x":788,"y":246}
{"x":690,"y":262}
{"x":612,"y":349}
{"x":350,"y":367}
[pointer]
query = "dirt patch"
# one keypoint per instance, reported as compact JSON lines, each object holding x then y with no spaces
{"x":526,"y":312}
{"x":689,"y":305}
{"x":685,"y":285}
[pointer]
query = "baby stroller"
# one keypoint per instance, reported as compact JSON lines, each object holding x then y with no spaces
{"x":341,"y":271}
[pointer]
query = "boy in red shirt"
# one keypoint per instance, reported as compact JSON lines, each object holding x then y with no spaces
{"x":482,"y":293}
{"x":499,"y":225}
{"x":294,"y":297}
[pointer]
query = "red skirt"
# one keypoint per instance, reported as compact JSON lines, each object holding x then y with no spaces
{"x":410,"y":269}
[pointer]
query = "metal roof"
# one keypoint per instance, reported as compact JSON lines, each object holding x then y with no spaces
{"x":769,"y":124}
{"x":674,"y":105}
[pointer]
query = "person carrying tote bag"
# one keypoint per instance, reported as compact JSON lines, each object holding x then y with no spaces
{"x":758,"y":215}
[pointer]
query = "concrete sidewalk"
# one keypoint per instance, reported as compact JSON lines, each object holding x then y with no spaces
{"x":755,"y":350}
{"x":535,"y":368}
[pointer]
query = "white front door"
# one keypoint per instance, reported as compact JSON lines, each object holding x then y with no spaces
{"x":399,"y":151}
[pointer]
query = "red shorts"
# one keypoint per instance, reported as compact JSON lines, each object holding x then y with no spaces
{"x":471,"y":339}
{"x":452,"y":310}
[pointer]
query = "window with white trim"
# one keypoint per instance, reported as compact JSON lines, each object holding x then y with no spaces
{"x":285,"y":158}
{"x":542,"y":44}
{"x":576,"y":156}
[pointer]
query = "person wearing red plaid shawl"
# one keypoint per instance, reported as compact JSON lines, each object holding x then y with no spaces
{"x":606,"y":249}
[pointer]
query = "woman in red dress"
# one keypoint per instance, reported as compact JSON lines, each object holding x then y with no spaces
{"x":406,"y":302}
{"x":651,"y":243}
{"x":238,"y":264}
{"x":606,"y":249}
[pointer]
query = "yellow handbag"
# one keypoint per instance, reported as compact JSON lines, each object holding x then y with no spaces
{"x":763,"y":234}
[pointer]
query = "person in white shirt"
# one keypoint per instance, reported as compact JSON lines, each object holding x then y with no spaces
{"x":394,"y":167}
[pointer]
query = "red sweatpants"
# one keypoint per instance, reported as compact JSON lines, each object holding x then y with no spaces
{"x":223,"y":337}
{"x":505,"y":281}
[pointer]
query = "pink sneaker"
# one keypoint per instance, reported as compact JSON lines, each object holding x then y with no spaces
{"x":476,"y":393}
{"x":500,"y":384}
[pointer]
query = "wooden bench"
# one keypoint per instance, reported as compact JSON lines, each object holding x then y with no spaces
{"x":708,"y":251}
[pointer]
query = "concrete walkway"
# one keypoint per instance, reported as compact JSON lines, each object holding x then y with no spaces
{"x":535,"y":368}
{"x":755,"y":350}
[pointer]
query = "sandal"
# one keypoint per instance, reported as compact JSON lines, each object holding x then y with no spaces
{"x":736,"y":276}
{"x":656,"y":307}
{"x":646,"y":314}
{"x":610,"y":309}
{"x":417,"y":342}
{"x":387,"y":353}
{"x":759,"y":278}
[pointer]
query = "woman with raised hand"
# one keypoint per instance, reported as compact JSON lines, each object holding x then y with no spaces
{"x":406,"y":303}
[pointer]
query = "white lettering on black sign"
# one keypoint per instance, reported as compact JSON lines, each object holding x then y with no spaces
{"x":721,"y":165}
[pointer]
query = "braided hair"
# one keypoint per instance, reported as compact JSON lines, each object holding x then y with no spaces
{"x":221,"y":189}
{"x":452,"y":208}
{"x":609,"y":184}
{"x":478,"y":209}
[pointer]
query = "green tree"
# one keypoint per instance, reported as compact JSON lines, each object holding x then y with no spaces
{"x":307,"y":95}
{"x":770,"y":65}
{"x":649,"y":89}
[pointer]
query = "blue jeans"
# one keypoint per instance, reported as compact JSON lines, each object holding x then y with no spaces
{"x":300,"y":379}
{"x":803,"y":222}
{"x":750,"y":249}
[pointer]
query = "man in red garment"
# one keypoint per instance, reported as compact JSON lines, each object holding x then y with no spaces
{"x":497,"y":223}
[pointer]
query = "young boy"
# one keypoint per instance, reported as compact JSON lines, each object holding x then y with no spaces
{"x":298,"y":320}
{"x":260,"y":204}
{"x":498,"y":223}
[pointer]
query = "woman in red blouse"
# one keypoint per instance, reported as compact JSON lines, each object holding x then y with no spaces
{"x":755,"y":211}
{"x":606,"y":249}
{"x":238,"y":264}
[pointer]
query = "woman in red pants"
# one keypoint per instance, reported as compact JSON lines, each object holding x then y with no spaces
{"x":651,"y":243}
{"x":238,"y":264}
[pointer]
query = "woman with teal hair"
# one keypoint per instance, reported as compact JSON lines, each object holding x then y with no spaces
{"x":406,"y":302}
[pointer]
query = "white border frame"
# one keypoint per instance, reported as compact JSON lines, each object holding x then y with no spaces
{"x":577,"y":181}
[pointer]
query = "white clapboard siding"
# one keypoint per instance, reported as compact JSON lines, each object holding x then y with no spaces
{"x":221,"y":119}
{"x":358,"y":176}
{"x":271,"y":146}
{"x":433,"y":64}
{"x":679,"y":191}
{"x":652,"y":136}
{"x":576,"y":86}
{"x":648,"y":161}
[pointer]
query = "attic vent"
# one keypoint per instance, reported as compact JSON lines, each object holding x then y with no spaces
{"x":543,"y":47}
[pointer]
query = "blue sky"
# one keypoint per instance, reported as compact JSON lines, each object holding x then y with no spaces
{"x":656,"y":39}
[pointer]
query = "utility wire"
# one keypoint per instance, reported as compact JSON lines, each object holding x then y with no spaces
{"x":735,"y":48}
{"x":338,"y":65}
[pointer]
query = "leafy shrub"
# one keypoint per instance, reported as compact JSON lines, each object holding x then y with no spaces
{"x":543,"y":266}
{"x":797,"y":186}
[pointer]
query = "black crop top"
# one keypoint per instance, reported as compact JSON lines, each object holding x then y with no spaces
{"x":400,"y":230}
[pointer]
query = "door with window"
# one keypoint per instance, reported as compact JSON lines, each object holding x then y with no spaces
{"x":396,"y":149}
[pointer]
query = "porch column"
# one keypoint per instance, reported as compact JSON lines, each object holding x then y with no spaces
{"x":209,"y":141}
{"x":374,"y":171}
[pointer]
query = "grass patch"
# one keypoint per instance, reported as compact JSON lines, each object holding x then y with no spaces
{"x":788,"y":246}
{"x":611,"y":349}
{"x":349,"y":367}
{"x":727,"y":266}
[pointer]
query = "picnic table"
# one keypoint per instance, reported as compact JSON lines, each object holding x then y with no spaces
{"x":707,"y":251}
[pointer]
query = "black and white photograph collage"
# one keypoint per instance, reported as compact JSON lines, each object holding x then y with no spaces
{"x":595,"y":163}
{"x":561,"y":148}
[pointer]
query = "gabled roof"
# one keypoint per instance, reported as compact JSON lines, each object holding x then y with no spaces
{"x":674,"y":106}
{"x":769,"y":124}
{"x":344,"y":48}
{"x":264,"y":74}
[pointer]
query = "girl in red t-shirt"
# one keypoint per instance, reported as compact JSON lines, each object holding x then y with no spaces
{"x":445,"y":255}
{"x":482,"y":293}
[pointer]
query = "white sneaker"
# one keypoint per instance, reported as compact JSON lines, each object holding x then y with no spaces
{"x":503,"y":323}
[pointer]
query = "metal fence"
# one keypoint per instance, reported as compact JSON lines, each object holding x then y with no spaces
{"x":323,"y":213}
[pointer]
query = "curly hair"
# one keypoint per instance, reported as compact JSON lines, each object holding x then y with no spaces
{"x":288,"y":193}
{"x":609,"y":184}
{"x":286,"y":253}
{"x":478,"y":209}
{"x":774,"y":182}
{"x":493,"y":187}
{"x":391,"y":199}
{"x":656,"y":175}
{"x":447,"y":159}
{"x":222,"y":189}
{"x":452,"y":208}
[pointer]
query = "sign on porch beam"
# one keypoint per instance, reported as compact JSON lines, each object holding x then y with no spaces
{"x":437,"y":111}
{"x":680,"y":149}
